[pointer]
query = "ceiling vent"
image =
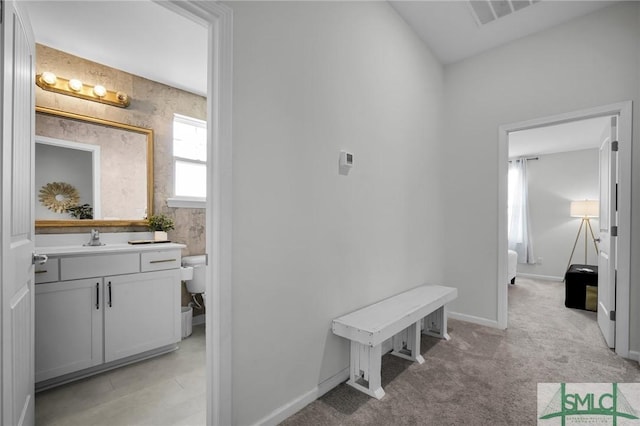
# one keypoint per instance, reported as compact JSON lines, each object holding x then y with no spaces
{"x":485,"y":11}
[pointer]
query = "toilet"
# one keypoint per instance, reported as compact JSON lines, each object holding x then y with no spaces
{"x":197,"y":284}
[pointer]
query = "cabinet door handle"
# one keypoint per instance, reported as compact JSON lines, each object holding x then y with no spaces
{"x":97,"y":295}
{"x":109,"y":286}
{"x":43,"y":271}
{"x":162,"y":261}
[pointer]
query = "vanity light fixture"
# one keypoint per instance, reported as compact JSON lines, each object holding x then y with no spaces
{"x":74,"y":87}
{"x":122,"y":97}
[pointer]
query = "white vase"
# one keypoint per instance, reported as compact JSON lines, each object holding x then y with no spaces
{"x":160,"y":236}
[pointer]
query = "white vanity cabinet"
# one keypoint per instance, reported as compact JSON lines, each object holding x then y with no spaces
{"x":68,"y":327}
{"x":140,"y":313}
{"x":95,"y":310}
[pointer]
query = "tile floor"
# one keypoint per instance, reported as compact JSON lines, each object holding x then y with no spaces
{"x":166,"y":390}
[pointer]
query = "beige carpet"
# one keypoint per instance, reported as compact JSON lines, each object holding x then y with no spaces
{"x":483,"y":376}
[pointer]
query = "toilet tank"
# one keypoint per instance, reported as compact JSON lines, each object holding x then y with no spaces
{"x":198,"y":263}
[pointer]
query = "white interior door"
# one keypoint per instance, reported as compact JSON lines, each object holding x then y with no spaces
{"x":608,"y":233}
{"x":16,"y":217}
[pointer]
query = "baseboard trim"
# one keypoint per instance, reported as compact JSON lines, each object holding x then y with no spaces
{"x":539,"y":277}
{"x":292,"y":407}
{"x":634,"y":355}
{"x":473,"y":319}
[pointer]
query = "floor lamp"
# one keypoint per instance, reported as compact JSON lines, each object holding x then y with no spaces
{"x":586,"y":210}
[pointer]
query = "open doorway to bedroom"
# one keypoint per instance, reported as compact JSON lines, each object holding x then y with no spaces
{"x":555,"y":162}
{"x":553,"y":169}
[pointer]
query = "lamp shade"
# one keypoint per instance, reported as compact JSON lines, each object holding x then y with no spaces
{"x":585,"y":208}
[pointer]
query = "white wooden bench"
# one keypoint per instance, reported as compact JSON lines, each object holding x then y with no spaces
{"x":398,"y":317}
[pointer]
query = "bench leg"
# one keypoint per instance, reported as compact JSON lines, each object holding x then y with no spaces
{"x":406,"y":344}
{"x":364,"y":374}
{"x":435,"y":324}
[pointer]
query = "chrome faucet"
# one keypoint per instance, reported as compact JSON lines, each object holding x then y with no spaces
{"x":95,"y":239}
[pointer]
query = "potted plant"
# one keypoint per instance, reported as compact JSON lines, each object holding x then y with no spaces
{"x":84,"y":211}
{"x":160,"y":224}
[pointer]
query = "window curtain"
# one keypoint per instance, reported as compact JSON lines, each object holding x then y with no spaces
{"x":519,"y":226}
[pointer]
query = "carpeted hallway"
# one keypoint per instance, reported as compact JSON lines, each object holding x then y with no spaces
{"x":483,"y":376}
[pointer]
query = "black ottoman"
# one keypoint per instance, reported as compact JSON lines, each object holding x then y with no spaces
{"x":576,"y":281}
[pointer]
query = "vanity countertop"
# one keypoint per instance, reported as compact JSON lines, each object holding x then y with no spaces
{"x":108,"y":248}
{"x":115,"y":242}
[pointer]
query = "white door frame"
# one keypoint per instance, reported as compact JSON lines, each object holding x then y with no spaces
{"x":218,"y":18}
{"x":624,"y":111}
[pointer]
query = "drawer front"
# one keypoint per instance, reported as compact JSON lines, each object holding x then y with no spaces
{"x":73,"y":268}
{"x":48,"y":272}
{"x":159,"y":260}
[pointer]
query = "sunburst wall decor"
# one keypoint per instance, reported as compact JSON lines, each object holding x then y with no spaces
{"x":58,"y":196}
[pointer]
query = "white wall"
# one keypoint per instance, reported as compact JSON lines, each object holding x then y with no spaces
{"x":310,"y":244}
{"x":554,"y":181}
{"x":590,"y":61}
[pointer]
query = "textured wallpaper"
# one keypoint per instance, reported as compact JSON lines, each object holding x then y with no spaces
{"x":152,"y":106}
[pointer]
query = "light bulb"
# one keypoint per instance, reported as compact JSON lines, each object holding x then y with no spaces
{"x":122,"y":97}
{"x":99,"y":91}
{"x":75,"y":85}
{"x":48,"y":78}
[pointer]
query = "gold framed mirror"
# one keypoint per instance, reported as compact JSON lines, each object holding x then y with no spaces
{"x":108,"y":165}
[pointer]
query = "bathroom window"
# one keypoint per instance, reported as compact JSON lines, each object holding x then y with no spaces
{"x":189,"y":162}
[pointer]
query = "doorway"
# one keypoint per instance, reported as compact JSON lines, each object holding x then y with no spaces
{"x":623,"y":112}
{"x":217,"y":20}
{"x":554,"y":166}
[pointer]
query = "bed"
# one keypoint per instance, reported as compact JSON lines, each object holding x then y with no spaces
{"x":512,"y":263}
